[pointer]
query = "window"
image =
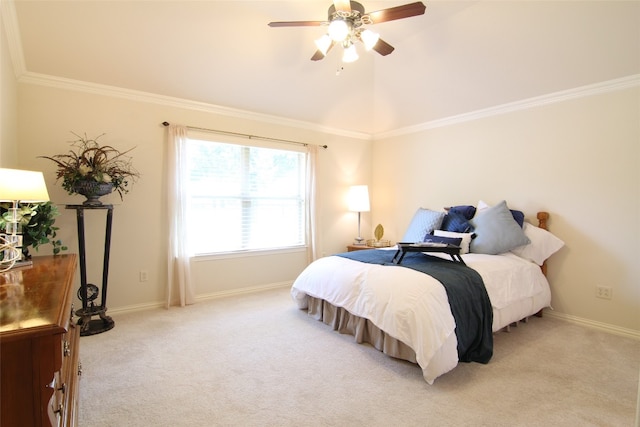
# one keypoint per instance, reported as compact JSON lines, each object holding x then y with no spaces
{"x":245,"y":197}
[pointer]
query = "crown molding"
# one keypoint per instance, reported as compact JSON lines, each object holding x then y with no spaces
{"x":139,"y":96}
{"x":538,"y":101}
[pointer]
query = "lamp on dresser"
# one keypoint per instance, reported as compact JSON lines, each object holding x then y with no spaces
{"x":17,"y":186}
{"x":358,"y":200}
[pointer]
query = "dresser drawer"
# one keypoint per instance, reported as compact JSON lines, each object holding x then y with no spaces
{"x":63,"y":403}
{"x":39,"y":345}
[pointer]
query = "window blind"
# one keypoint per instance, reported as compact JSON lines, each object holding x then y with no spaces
{"x":244,"y":197}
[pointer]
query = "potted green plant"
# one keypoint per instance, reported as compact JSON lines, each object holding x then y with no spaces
{"x":37,"y":222}
{"x":94,"y":170}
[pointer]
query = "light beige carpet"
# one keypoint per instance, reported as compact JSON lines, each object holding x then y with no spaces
{"x":256,"y":360}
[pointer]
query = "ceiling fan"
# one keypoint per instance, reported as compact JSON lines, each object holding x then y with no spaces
{"x":346,"y":25}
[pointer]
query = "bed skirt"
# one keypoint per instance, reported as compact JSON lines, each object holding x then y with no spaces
{"x":366,"y":332}
{"x":362,"y":329}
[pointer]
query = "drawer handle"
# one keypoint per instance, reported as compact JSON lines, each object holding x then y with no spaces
{"x":60,"y":409}
{"x":63,"y":388}
{"x":79,"y":369}
{"x":67,"y":349}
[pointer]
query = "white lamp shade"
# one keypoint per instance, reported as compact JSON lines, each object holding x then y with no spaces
{"x":369,"y":38}
{"x":323,"y":44}
{"x":339,"y":30}
{"x":358,"y":198}
{"x":22,"y":185}
{"x":350,"y":54}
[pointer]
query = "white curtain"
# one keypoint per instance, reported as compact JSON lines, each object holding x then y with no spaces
{"x":178,"y":261}
{"x":312,"y":244}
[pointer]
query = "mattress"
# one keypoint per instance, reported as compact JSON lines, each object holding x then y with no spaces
{"x":411,"y":307}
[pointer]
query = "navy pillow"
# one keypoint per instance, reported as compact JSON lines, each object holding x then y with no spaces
{"x":455,"y":241}
{"x":518,"y":216}
{"x":456,"y":222}
{"x":465,"y":210}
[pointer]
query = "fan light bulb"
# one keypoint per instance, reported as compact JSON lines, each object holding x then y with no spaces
{"x":369,"y":39}
{"x":338,"y":30}
{"x":323,"y":43}
{"x":350,"y":54}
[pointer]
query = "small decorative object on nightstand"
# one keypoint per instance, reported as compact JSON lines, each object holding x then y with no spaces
{"x":378,"y":242}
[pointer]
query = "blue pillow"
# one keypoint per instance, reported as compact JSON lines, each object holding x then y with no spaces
{"x":467,"y":211}
{"x":496,"y":231}
{"x":424,"y":222}
{"x":455,"y":222}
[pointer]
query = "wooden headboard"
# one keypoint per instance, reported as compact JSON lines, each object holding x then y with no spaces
{"x":542,"y":223}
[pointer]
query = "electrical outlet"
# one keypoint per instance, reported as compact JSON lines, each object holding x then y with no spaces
{"x":144,"y":276}
{"x":604,"y":292}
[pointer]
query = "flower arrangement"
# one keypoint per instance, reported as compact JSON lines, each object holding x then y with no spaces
{"x":87,"y":160}
{"x":37,"y":221}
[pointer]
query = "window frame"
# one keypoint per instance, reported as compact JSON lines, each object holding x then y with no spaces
{"x":304,"y":176}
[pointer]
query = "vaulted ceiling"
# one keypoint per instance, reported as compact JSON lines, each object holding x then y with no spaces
{"x":459,"y":57}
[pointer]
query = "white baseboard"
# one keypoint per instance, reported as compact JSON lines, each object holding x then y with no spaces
{"x":134,"y":308}
{"x":242,"y":291}
{"x":612,"y":329}
{"x":199,"y":298}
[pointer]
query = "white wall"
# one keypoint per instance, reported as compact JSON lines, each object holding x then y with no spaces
{"x":47,"y":115}
{"x":578,"y":159}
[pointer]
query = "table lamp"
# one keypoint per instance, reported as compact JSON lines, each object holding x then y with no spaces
{"x":358,"y":199}
{"x":18,"y":186}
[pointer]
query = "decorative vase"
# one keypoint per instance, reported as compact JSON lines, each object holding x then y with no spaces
{"x":93,"y":190}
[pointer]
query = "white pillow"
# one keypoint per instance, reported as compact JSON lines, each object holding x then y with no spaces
{"x":482,"y":206}
{"x":466,"y":238}
{"x":543,"y":244}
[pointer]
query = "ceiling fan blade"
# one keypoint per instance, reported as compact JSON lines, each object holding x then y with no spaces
{"x":298,"y":23}
{"x":383,"y":48}
{"x":342,"y":5}
{"x":319,"y":55}
{"x":398,"y":12}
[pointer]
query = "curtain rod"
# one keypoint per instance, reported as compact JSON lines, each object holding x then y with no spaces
{"x":244,"y":135}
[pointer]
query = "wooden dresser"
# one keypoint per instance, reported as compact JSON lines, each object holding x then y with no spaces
{"x":39,"y":344}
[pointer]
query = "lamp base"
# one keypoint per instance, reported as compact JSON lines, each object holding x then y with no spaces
{"x":22,"y":263}
{"x":358,"y":241}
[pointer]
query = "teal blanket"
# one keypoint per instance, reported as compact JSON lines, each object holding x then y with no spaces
{"x":468,"y":298}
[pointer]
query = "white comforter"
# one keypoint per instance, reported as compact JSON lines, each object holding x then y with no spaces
{"x":412,"y":306}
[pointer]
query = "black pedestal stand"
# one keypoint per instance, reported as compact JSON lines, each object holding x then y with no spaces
{"x":89,"y":292}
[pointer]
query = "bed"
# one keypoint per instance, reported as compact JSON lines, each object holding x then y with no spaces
{"x":413,"y":316}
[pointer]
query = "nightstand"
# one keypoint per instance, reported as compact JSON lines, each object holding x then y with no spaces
{"x":351,"y":248}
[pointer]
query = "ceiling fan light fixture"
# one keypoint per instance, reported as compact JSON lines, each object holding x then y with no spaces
{"x":369,"y":39}
{"x":323,"y":43}
{"x":339,"y":29}
{"x":350,"y":54}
